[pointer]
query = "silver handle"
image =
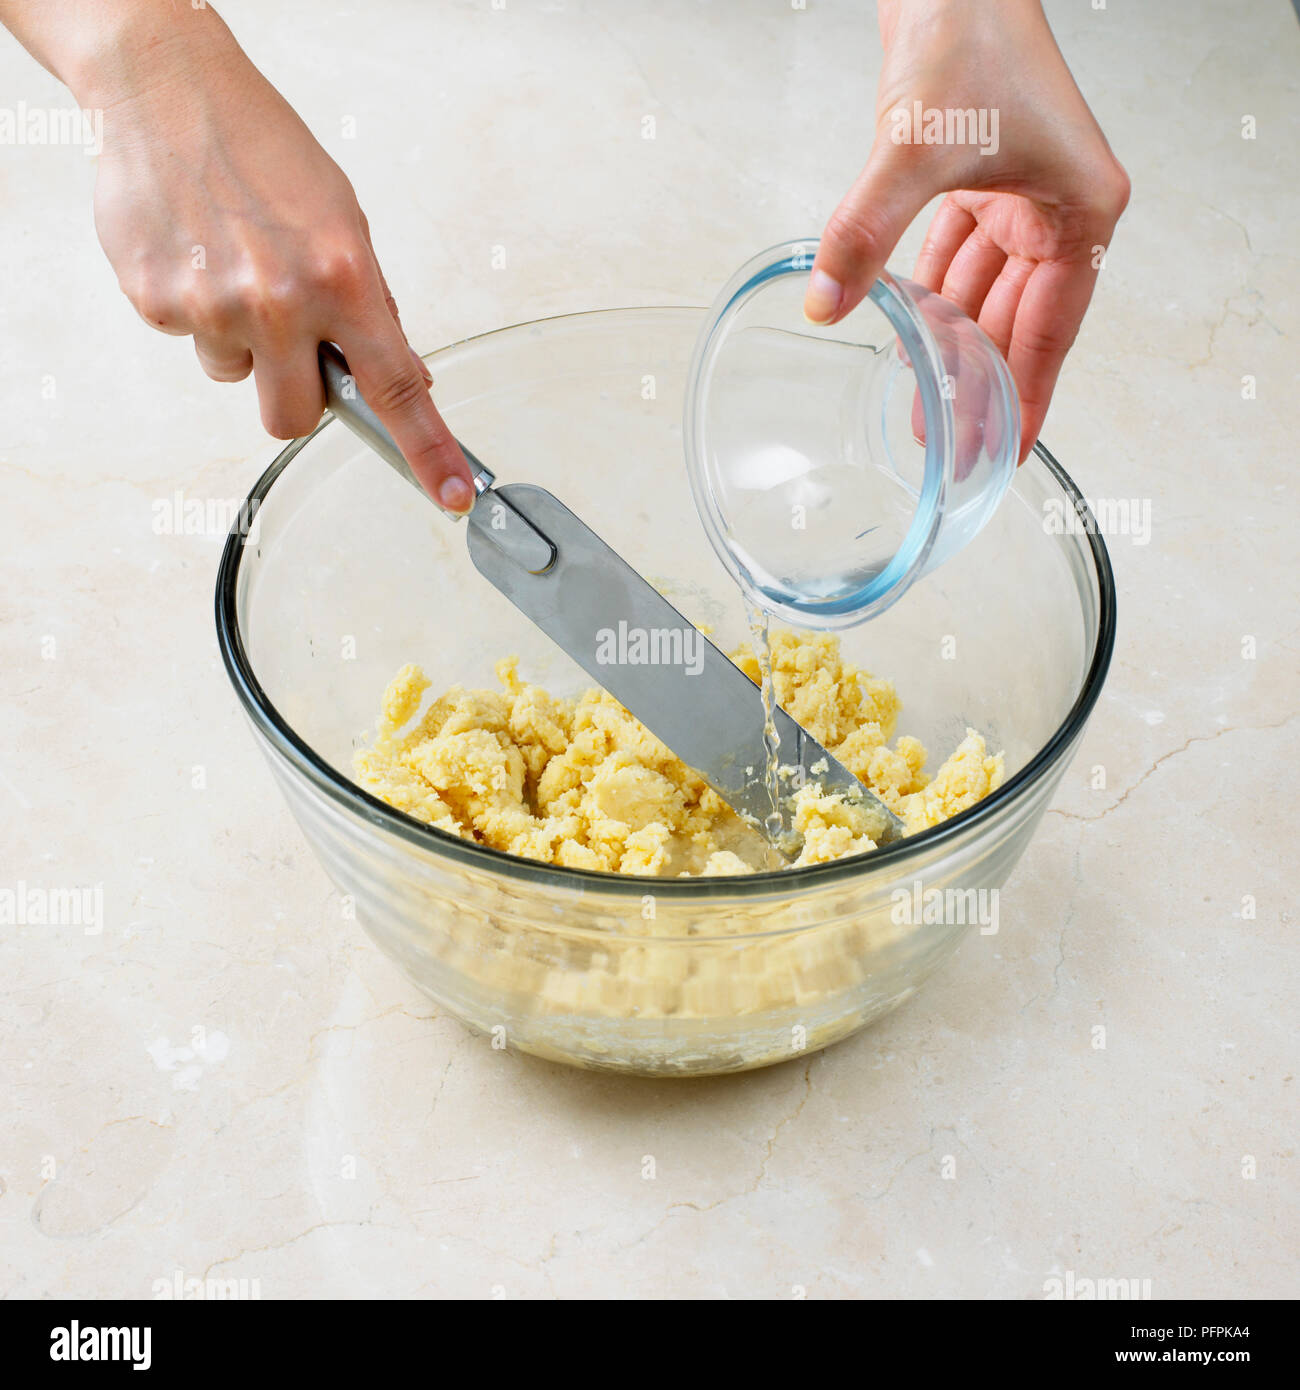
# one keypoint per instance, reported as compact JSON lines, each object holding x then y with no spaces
{"x":345,"y":400}
{"x":507,"y":528}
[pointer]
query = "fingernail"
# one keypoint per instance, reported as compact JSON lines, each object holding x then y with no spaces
{"x":455,"y":494}
{"x":822,"y":298}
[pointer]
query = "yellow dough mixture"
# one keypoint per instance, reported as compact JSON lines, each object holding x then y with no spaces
{"x":580,"y":782}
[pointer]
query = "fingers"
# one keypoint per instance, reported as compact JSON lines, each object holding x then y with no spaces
{"x":393,"y":386}
{"x":862,"y":233}
{"x":970,"y":407}
{"x":222,"y":358}
{"x":972,"y":272}
{"x":422,"y":367}
{"x":289,"y":388}
{"x":997,"y":319}
{"x":958,"y":258}
{"x":1030,"y":309}
{"x":1052,"y":307}
{"x":159,"y":308}
{"x":269,"y":318}
{"x":391,"y":302}
{"x":997,"y":315}
{"x":951,"y":226}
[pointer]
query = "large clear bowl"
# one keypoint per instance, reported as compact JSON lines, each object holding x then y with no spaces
{"x":348,"y":572}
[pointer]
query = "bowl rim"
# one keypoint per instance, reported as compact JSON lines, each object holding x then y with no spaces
{"x":353,"y":799}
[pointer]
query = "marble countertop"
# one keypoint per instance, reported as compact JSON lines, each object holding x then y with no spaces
{"x":226,"y":1083}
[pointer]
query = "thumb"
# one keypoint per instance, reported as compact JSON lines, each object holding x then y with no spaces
{"x":862,"y":233}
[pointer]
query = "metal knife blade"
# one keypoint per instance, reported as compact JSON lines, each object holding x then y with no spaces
{"x":652,"y":659}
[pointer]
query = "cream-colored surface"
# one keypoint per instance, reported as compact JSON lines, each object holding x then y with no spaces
{"x":229,"y":1080}
{"x":580,"y":782}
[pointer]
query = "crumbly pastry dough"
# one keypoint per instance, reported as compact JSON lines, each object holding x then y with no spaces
{"x":581,"y":783}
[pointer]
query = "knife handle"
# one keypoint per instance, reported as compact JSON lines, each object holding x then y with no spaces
{"x":499,"y":519}
{"x":347,"y":404}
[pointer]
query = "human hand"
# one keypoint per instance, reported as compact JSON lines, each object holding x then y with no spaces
{"x":225,"y":220}
{"x":1018,"y":241}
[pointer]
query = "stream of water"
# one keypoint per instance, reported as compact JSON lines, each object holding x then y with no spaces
{"x":774,"y":822}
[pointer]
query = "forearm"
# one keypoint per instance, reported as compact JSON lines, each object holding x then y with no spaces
{"x":105,"y":51}
{"x":227,"y":222}
{"x":954,"y":12}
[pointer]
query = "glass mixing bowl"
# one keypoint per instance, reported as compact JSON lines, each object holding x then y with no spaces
{"x":348,"y":573}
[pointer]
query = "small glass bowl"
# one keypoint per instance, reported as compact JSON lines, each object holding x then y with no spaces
{"x":834,"y":466}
